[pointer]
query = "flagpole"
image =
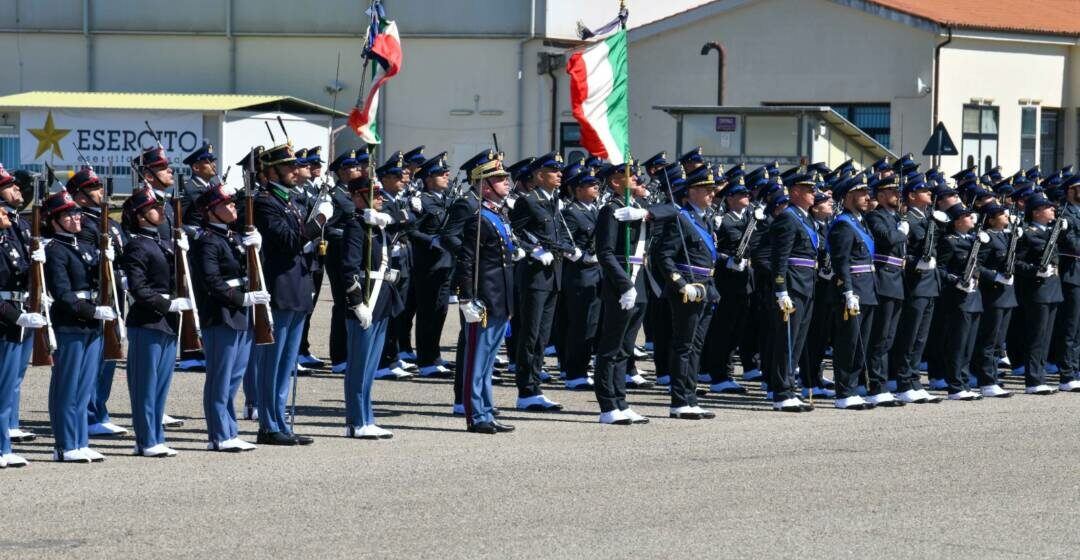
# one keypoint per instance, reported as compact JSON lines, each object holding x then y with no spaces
{"x":371,"y":165}
{"x":626,"y":189}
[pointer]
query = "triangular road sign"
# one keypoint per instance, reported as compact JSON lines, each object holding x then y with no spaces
{"x":940,"y":143}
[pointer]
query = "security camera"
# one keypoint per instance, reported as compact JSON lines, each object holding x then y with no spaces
{"x":921,"y":87}
{"x":334,"y":86}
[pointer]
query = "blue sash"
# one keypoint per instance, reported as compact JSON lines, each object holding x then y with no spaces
{"x":702,"y":233}
{"x":866,"y":239}
{"x":809,"y":230}
{"x":499,"y":226}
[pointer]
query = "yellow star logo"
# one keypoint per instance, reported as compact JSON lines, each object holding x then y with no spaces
{"x":49,"y":137}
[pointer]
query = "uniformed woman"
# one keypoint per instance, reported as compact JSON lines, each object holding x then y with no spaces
{"x":999,"y":299}
{"x":1040,"y":291}
{"x":372,"y":300}
{"x":219,"y":269}
{"x":152,"y":321}
{"x":16,"y":326}
{"x":961,"y":301}
{"x":71,"y":276}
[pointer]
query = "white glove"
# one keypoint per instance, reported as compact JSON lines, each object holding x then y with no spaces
{"x":925,"y":265}
{"x":575,"y":255}
{"x":851,"y":302}
{"x":1047,"y":272}
{"x":826,"y":274}
{"x":47,"y":300}
{"x":182,"y":242}
{"x":308,"y":247}
{"x":178,"y":304}
{"x":718,"y":222}
{"x":628,"y":214}
{"x":968,"y":287}
{"x":377,"y":219}
{"x":416,"y":204}
{"x":627,"y":300}
{"x":903,"y":227}
{"x":472,"y":311}
{"x":693,"y":292}
{"x":110,"y":254}
{"x":1003,"y":280}
{"x":256,"y":298}
{"x":590,"y":259}
{"x":38,"y":254}
{"x":783,"y":300}
{"x":252,"y":239}
{"x":31,"y":320}
{"x":739,"y":265}
{"x":325,"y":209}
{"x":1064,"y":224}
{"x":519,"y":254}
{"x":363,"y":314}
{"x":104,"y":313}
{"x":543,"y":256}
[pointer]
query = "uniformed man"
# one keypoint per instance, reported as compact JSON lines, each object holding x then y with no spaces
{"x":309,"y":164}
{"x":1040,"y":293}
{"x":961,"y":301}
{"x":414,"y":158}
{"x":484,"y":278}
{"x":289,"y":240}
{"x":349,"y":165}
{"x":921,"y":288}
{"x":1069,"y":312}
{"x":851,"y":248}
{"x":251,"y":164}
{"x":997,"y":290}
{"x":203,"y":164}
{"x":581,"y":280}
{"x":545,"y":243}
{"x":219,"y":273}
{"x":71,"y":276}
{"x":394,"y":179}
{"x":889,"y":231}
{"x":373,"y":300}
{"x":87,"y":191}
{"x":692,"y":161}
{"x":461,"y":210}
{"x":819,"y":337}
{"x":410,"y":197}
{"x":687,"y":254}
{"x":433,"y":265}
{"x":16,"y":324}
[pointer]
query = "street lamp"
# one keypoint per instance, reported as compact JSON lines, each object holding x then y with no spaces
{"x":713,"y":45}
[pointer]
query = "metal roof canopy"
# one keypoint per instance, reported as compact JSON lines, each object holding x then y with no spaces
{"x":161,"y":102}
{"x":826,"y":113}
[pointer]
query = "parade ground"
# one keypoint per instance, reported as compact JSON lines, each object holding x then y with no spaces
{"x":988,"y":479}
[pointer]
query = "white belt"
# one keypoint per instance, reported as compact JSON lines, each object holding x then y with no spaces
{"x":87,"y":295}
{"x":391,"y":275}
{"x":13,"y":296}
{"x":236,"y":282}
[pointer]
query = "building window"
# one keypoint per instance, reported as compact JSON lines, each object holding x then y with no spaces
{"x":1050,"y":140}
{"x":980,"y":136}
{"x":873,"y":119}
{"x":1028,"y":134}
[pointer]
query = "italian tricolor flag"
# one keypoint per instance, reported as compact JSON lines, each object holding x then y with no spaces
{"x":599,"y":95}
{"x":385,"y":53}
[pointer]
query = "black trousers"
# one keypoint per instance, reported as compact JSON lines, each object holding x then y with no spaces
{"x":339,"y":346}
{"x":911,"y":339}
{"x":404,"y":323}
{"x":988,"y":337}
{"x":581,"y":311}
{"x":534,"y":327}
{"x":817,"y":338}
{"x":1040,"y":320}
{"x":432,"y":304}
{"x":962,"y":327}
{"x":1067,"y":334}
{"x":934,"y":352}
{"x":392,"y":344}
{"x":615,"y":348}
{"x":1015,"y":337}
{"x":763,"y":306}
{"x":882,"y":336}
{"x":793,"y":332}
{"x":851,"y":334}
{"x":661,"y":317}
{"x":689,"y":324}
{"x":726,"y":333}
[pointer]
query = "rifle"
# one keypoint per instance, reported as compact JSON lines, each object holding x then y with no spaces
{"x":973,"y":255}
{"x":1051,"y":244}
{"x":44,"y":338}
{"x":1010,"y":254}
{"x":757,"y":214}
{"x":190,"y":330}
{"x":107,"y":295}
{"x":263,"y":320}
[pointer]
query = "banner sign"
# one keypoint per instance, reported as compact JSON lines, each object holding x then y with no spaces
{"x":106,"y":138}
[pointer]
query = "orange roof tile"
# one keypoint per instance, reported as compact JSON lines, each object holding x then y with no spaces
{"x":1030,"y":16}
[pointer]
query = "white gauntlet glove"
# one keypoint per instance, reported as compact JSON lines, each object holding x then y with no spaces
{"x":1047,"y":272}
{"x":737,"y":265}
{"x":39,"y":254}
{"x":519,"y":254}
{"x":256,"y":298}
{"x":324,"y":209}
{"x":31,"y":320}
{"x":1003,"y":280}
{"x":178,"y":304}
{"x":182,"y":242}
{"x":377,"y":219}
{"x":628,"y":214}
{"x":110,"y":254}
{"x":104,"y":313}
{"x":363,"y":315}
{"x":693,"y":292}
{"x":416,"y":204}
{"x":543,"y":256}
{"x":575,"y":255}
{"x":903,"y":227}
{"x":925,"y":265}
{"x":851,"y":302}
{"x":252,"y":239}
{"x":783,"y":301}
{"x":967,"y":287}
{"x":473,"y":311}
{"x":628,"y":299}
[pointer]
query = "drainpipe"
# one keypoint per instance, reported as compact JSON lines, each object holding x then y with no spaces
{"x":554,"y":104}
{"x":720,"y":69}
{"x":937,"y":81}
{"x":232,"y":47}
{"x":89,"y":46}
{"x":521,"y":80}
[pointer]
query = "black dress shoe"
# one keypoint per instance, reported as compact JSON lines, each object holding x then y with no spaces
{"x":502,"y":428}
{"x":25,"y":438}
{"x":707,"y":414}
{"x":302,"y":440}
{"x":686,"y":416}
{"x":483,"y":428}
{"x":892,"y":403}
{"x":274,"y":438}
{"x":496,"y":412}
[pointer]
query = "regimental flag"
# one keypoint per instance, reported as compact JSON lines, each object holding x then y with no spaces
{"x":384,"y":50}
{"x":599,"y":96}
